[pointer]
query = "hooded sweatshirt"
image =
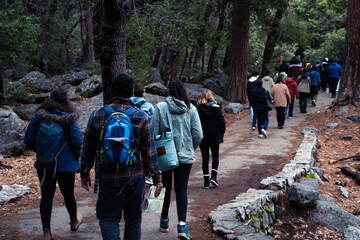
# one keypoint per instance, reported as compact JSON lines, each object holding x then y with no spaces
{"x":268,"y":82}
{"x":143,"y":105}
{"x":250,"y":87}
{"x":293,"y":88}
{"x":186,"y":123}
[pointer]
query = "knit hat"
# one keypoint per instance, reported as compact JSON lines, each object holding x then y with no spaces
{"x":122,"y":86}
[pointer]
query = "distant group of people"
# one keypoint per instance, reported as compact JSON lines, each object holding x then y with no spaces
{"x":293,"y":81}
{"x":121,"y":189}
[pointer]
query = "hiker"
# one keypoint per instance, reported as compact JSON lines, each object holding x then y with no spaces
{"x":295,"y":67}
{"x":324,"y":75}
{"x":268,"y":82}
{"x":56,"y":112}
{"x":141,"y":103}
{"x":213,"y":127}
{"x":315,"y":84}
{"x":259,"y":103}
{"x":304,"y":83}
{"x":281,"y":97}
{"x":187,"y":136}
{"x":120,"y":188}
{"x":334,"y":72}
{"x":281,"y":73}
{"x":250,"y":87}
{"x":293,"y":90}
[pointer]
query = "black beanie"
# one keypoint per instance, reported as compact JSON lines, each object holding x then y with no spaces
{"x":122,"y":86}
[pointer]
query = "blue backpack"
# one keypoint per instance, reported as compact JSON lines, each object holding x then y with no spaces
{"x":116,"y":138}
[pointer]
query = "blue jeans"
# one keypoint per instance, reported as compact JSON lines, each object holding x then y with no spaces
{"x":291,"y":108}
{"x":253,"y":116}
{"x":109,"y":209}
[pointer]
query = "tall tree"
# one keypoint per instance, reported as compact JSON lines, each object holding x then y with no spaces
{"x":112,"y":41}
{"x":236,"y":90}
{"x":350,"y":80}
{"x":89,"y":52}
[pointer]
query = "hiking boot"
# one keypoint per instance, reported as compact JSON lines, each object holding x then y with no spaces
{"x":74,"y":225}
{"x":206,"y":181}
{"x":183,"y":232}
{"x":164,"y":225}
{"x":47,"y":234}
{"x":263,"y":131}
{"x":213,"y":181}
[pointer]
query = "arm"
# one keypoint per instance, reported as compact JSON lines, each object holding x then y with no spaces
{"x":31,"y":134}
{"x":296,"y":90}
{"x":288,"y":97}
{"x":75,"y":139}
{"x":196,"y":129}
{"x":222,"y":123}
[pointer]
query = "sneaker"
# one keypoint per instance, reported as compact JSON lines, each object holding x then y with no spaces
{"x":261,"y":136}
{"x":313,"y":102}
{"x":253,"y":128}
{"x":47,"y":234}
{"x":74,"y":225}
{"x":183,"y":232}
{"x":263,"y":131}
{"x":290,"y":117}
{"x":149,"y":181}
{"x":164,"y":225}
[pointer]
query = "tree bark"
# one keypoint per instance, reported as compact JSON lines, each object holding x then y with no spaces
{"x":220,"y":27}
{"x":113,"y":42}
{"x":351,"y":172}
{"x":272,"y":38}
{"x":168,"y":62}
{"x":236,"y":90}
{"x":226,"y":61}
{"x":349,"y":91}
{"x":89,"y":51}
{"x":184,"y":62}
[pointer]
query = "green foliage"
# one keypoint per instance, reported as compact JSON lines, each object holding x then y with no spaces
{"x":310,"y":174}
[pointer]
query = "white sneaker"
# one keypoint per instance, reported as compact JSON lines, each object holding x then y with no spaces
{"x":290,"y":117}
{"x":148,"y":181}
{"x":253,"y":128}
{"x":260,"y":136}
{"x":263,"y":131}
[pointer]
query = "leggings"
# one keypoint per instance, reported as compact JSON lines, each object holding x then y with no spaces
{"x":181,"y":178}
{"x":205,"y":157}
{"x":66,"y":184}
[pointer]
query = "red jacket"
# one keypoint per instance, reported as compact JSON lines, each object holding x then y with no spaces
{"x":293,"y":89}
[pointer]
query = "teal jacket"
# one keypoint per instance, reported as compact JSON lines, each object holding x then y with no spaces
{"x":186,"y":127}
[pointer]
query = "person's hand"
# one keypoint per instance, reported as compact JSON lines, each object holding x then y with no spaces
{"x":159,"y":186}
{"x":86,"y":183}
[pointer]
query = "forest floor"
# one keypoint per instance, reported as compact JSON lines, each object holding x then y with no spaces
{"x":20,"y":218}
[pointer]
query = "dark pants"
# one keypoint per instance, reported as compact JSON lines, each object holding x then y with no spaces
{"x":66,"y":184}
{"x":314,"y":90}
{"x":205,"y":157}
{"x":280,"y":116}
{"x":303,"y":97}
{"x":324,"y":83}
{"x":263,"y":119}
{"x":333,"y":82}
{"x":109,"y":209}
{"x":181,"y":178}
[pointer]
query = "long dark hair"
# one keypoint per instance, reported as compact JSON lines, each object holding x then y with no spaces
{"x":58,"y":100}
{"x":177,"y":90}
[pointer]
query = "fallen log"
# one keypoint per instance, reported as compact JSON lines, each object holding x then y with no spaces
{"x":351,"y":172}
{"x":355,"y":157}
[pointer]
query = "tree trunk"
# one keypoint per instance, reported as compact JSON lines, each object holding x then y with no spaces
{"x":226,"y":61}
{"x":272,"y":38}
{"x":168,"y":62}
{"x":48,"y":30}
{"x":236,"y":90}
{"x":218,"y":36}
{"x":89,"y":51}
{"x":184,"y":62}
{"x":349,"y":91}
{"x":113,"y":42}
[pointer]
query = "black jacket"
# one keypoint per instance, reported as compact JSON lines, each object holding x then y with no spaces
{"x":212,"y":122}
{"x":259,"y":98}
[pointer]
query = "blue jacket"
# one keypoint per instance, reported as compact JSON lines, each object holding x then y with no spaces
{"x":315,"y":78}
{"x":143,"y":105}
{"x":334,"y":70}
{"x":68,"y":158}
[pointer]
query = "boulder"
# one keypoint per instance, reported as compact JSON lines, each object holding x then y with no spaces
{"x":154,"y":99}
{"x":17,"y":91}
{"x":157,"y":88}
{"x":332,"y":125}
{"x":12,"y":133}
{"x":90,"y":87}
{"x":344,"y":192}
{"x":74,"y":78}
{"x":156,"y":77}
{"x":354,"y":117}
{"x":195,"y":90}
{"x":352,"y":233}
{"x":71,"y":92}
{"x":234,"y":107}
{"x":11,"y":192}
{"x":254,"y":236}
{"x":305,"y":193}
{"x":217,"y":82}
{"x":37,"y":82}
{"x":86,"y":108}
{"x":27,"y":111}
{"x":343,"y":111}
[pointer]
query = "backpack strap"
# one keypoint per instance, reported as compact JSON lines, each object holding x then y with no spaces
{"x":130,"y":111}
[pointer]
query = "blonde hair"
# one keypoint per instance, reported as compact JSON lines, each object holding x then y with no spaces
{"x":205,"y":97}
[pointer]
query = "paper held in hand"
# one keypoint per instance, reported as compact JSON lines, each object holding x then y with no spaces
{"x":154,"y":204}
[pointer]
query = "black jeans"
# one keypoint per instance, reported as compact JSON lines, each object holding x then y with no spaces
{"x":303,"y":97}
{"x":263,"y":119}
{"x":280,"y":116}
{"x":66,"y":184}
{"x":205,"y":157}
{"x":333,"y":82}
{"x":181,"y":178}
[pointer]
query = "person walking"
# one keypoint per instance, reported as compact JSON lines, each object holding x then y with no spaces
{"x":250,"y":87}
{"x":120,"y":188}
{"x":315,"y":84}
{"x":213,"y":127}
{"x":281,"y":98}
{"x":259,"y":101}
{"x":324,"y":75}
{"x":268,"y":82}
{"x":293,"y":90}
{"x":295,"y":67}
{"x":59,"y":110}
{"x":140,"y":101}
{"x":187,"y":137}
{"x":334,"y":72}
{"x":304,"y":83}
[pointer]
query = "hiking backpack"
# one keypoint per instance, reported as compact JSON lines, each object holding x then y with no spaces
{"x":116,"y":138}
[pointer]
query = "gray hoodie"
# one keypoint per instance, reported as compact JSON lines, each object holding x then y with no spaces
{"x":186,"y":127}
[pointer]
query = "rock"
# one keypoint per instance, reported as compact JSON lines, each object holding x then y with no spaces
{"x":17,"y":91}
{"x":332,"y":125}
{"x":154,"y":99}
{"x":71,"y":92}
{"x":217,"y":83}
{"x":304,"y":194}
{"x":157,"y":88}
{"x":319,"y":171}
{"x":8,"y":73}
{"x":10,"y":192}
{"x":326,"y":198}
{"x":90,"y":87}
{"x":254,"y":236}
{"x":195,"y":90}
{"x":343,"y":111}
{"x":333,"y":216}
{"x":344,"y":192}
{"x":86,"y":108}
{"x":12,"y":133}
{"x":27,"y":111}
{"x":37,"y":82}
{"x":354,"y":117}
{"x":156,"y":77}
{"x":74,"y":78}
{"x":234,"y":107}
{"x":352,"y":233}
